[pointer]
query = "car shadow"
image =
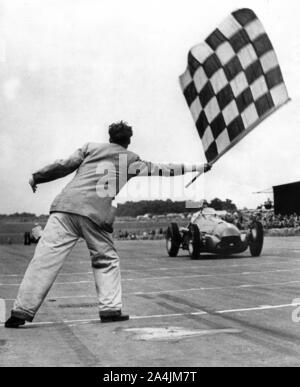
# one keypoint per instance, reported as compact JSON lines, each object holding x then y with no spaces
{"x":217,"y":257}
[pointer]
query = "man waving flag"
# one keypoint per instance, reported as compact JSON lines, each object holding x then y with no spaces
{"x":232,"y":82}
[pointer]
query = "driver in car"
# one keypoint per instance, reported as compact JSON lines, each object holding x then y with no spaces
{"x":203,"y":204}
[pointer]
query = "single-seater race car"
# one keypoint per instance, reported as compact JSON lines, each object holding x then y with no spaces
{"x":208,"y":233}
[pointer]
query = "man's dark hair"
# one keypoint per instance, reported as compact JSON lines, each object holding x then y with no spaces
{"x":120,"y":133}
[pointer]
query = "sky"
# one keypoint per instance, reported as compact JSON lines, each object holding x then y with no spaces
{"x":68,"y":68}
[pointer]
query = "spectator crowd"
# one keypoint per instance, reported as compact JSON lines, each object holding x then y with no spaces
{"x":140,"y":235}
{"x":271,"y":221}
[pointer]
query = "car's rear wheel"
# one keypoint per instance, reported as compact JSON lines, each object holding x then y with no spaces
{"x":195,"y":244}
{"x":173,"y":240}
{"x":256,"y":239}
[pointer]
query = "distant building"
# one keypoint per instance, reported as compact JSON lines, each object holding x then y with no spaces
{"x":287,"y":199}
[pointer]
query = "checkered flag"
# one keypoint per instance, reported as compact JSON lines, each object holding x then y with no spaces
{"x":233,"y":81}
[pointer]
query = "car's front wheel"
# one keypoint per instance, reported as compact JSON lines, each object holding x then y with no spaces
{"x":195,"y":243}
{"x":256,"y":239}
{"x":173,"y":240}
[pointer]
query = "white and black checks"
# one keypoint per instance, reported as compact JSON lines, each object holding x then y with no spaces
{"x":233,"y":81}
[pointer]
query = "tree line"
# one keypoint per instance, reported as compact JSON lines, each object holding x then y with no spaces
{"x":134,"y":209}
{"x":161,"y":207}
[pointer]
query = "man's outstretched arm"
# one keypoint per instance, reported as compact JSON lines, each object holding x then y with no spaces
{"x":146,"y":168}
{"x":59,"y":168}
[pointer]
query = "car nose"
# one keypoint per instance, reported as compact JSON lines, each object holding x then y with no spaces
{"x":227,"y":230}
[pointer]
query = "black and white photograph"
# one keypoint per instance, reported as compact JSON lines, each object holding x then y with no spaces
{"x":150,"y":186}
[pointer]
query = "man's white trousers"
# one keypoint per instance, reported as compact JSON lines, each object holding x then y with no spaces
{"x":59,"y":237}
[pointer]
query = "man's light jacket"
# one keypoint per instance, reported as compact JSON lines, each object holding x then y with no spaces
{"x":102,"y":171}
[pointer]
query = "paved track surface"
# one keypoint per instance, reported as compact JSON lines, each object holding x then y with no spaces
{"x":217,"y":311}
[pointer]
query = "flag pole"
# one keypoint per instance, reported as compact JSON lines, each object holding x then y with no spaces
{"x":194,"y":179}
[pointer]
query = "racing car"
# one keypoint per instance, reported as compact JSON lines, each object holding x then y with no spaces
{"x":208,"y":233}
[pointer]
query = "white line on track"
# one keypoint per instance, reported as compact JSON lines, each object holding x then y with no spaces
{"x":176,"y":277}
{"x":138,"y":269}
{"x":243,"y":286}
{"x":170,"y":268}
{"x":198,"y":313}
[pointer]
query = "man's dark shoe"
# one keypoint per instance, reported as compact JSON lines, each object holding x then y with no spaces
{"x":113,"y":316}
{"x":14,"y":322}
